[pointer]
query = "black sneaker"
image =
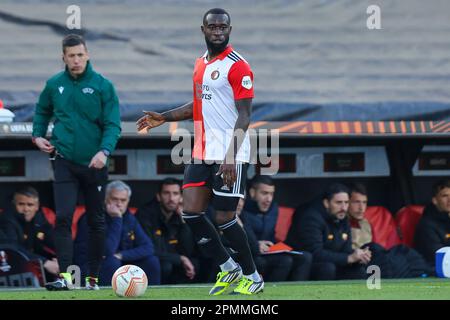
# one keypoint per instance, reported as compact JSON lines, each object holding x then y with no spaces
{"x":61,"y":284}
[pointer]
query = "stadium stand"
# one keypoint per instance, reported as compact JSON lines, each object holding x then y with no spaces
{"x":334,"y":68}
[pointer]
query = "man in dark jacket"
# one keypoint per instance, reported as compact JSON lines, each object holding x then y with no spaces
{"x":86,"y":115}
{"x":172,"y":237}
{"x":126,"y":241}
{"x":259,"y":218}
{"x":433,"y":230}
{"x":324,"y":231}
{"x":26,"y":227}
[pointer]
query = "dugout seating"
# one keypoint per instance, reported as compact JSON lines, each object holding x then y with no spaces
{"x":407,"y":219}
{"x":50,"y":215}
{"x":384,"y":227}
{"x":79,"y":212}
{"x":283,"y":223}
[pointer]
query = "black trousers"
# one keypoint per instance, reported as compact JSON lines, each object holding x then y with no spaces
{"x":284,"y":266}
{"x":330,"y":271}
{"x":174,"y":274}
{"x":69,"y":179}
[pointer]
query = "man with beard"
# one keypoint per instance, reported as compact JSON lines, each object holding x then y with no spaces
{"x":324,"y":231}
{"x":259,"y":216}
{"x":221,"y":109}
{"x":172,"y":238}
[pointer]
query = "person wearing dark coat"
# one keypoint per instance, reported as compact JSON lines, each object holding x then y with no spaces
{"x":126,"y":241}
{"x":172,"y":238}
{"x":259,"y":217}
{"x":433,"y":229}
{"x":399,"y":261}
{"x":324,"y":230}
{"x":25,"y":227}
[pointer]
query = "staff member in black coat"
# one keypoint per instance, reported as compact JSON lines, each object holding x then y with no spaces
{"x":433,"y":230}
{"x":324,"y":230}
{"x":25,"y":227}
{"x":172,"y":238}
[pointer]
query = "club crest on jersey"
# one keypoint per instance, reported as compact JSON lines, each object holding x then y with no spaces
{"x":88,"y":90}
{"x":215,"y":74}
{"x":247,"y":82}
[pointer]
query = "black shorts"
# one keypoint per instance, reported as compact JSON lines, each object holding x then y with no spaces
{"x":224,"y":198}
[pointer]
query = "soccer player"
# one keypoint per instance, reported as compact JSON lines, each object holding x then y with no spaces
{"x":221,"y":109}
{"x":86,"y":129}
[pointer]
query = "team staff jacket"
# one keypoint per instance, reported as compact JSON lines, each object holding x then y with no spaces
{"x":432,"y":232}
{"x":261,"y":223}
{"x":86,"y":115}
{"x":123,"y":235}
{"x":171,"y":238}
{"x":36,"y":236}
{"x":327,"y":238}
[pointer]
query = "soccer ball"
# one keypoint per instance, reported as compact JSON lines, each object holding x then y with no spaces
{"x":129,"y":281}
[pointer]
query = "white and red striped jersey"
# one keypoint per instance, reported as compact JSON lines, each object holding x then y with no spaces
{"x":216,"y":86}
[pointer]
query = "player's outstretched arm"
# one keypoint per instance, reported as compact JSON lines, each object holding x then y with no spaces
{"x":154,"y":119}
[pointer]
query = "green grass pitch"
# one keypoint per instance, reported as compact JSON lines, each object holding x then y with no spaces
{"x":410,"y":289}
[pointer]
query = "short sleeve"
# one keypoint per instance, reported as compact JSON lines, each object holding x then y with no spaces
{"x":240,"y":77}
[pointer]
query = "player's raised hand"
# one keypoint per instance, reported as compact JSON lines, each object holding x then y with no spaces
{"x":150,"y":120}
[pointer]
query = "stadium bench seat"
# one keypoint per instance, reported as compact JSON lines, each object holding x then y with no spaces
{"x":79,"y":212}
{"x":283,"y":223}
{"x":384,"y":227}
{"x":50,"y":215}
{"x":407,"y":219}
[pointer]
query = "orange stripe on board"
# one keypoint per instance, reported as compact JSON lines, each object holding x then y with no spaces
{"x":290,"y":126}
{"x":392,"y":126}
{"x":358,"y":128}
{"x":422,"y":126}
{"x":403,"y":126}
{"x":306,"y":128}
{"x":382,"y":127}
{"x":430,"y":126}
{"x":439,"y":126}
{"x":331,"y":127}
{"x":444,"y":128}
{"x":345,"y":127}
{"x":370,"y":127}
{"x":413,"y":127}
{"x":173,"y":126}
{"x":316,"y":127}
{"x":257,"y":124}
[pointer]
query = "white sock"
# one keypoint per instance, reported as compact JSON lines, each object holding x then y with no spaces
{"x":229,"y":265}
{"x":254,"y":276}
